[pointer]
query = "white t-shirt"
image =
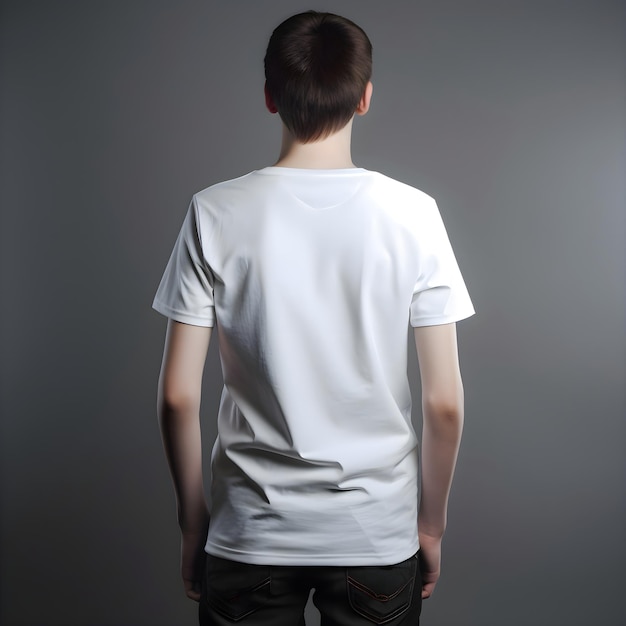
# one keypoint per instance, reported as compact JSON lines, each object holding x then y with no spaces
{"x":312,"y":278}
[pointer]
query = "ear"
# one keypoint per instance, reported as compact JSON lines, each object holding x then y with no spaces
{"x":269,"y":103}
{"x":364,"y":104}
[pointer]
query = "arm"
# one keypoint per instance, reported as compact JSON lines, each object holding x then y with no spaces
{"x":442,"y":407}
{"x":179,"y":391}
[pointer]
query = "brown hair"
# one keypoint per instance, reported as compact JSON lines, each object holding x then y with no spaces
{"x":317,"y":66}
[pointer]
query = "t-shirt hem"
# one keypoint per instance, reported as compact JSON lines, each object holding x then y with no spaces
{"x":306,"y":560}
{"x":438,"y":320}
{"x":180,"y":316}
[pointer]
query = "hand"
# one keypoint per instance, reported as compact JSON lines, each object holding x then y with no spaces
{"x":430,"y":563}
{"x":192,"y":558}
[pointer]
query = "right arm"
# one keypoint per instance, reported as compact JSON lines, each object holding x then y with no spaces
{"x":442,"y":408}
{"x":179,"y":395}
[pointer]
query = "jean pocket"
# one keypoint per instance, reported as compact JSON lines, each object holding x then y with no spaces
{"x":382,"y":594}
{"x":235,"y":590}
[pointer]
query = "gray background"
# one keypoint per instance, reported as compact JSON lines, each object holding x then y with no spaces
{"x":510,"y":113}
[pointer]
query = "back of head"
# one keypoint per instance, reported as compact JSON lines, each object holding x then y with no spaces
{"x":317,"y":66}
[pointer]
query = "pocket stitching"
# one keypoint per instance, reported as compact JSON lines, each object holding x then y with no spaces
{"x":382,"y":597}
{"x":222,"y":604}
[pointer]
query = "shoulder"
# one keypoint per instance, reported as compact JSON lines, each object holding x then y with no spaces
{"x":226,"y":187}
{"x":401,"y":200}
{"x":388,"y":188}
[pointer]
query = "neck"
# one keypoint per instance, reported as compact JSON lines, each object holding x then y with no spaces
{"x":330,"y":153}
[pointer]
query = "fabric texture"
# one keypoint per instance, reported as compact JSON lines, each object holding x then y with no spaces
{"x":312,"y":278}
{"x":267,"y":595}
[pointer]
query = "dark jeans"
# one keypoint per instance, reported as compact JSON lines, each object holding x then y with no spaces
{"x":267,"y":595}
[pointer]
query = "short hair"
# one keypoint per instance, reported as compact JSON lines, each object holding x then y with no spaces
{"x":317,"y":66}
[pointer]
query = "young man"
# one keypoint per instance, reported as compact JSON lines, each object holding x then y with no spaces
{"x":312,"y":270}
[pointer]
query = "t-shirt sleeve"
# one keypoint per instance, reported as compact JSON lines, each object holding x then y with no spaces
{"x":440,"y":295}
{"x":185,"y":293}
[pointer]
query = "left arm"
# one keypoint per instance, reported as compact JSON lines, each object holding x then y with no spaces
{"x":179,"y":393}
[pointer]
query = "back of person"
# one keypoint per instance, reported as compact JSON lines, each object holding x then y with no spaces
{"x":315,"y":276}
{"x":312,"y":276}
